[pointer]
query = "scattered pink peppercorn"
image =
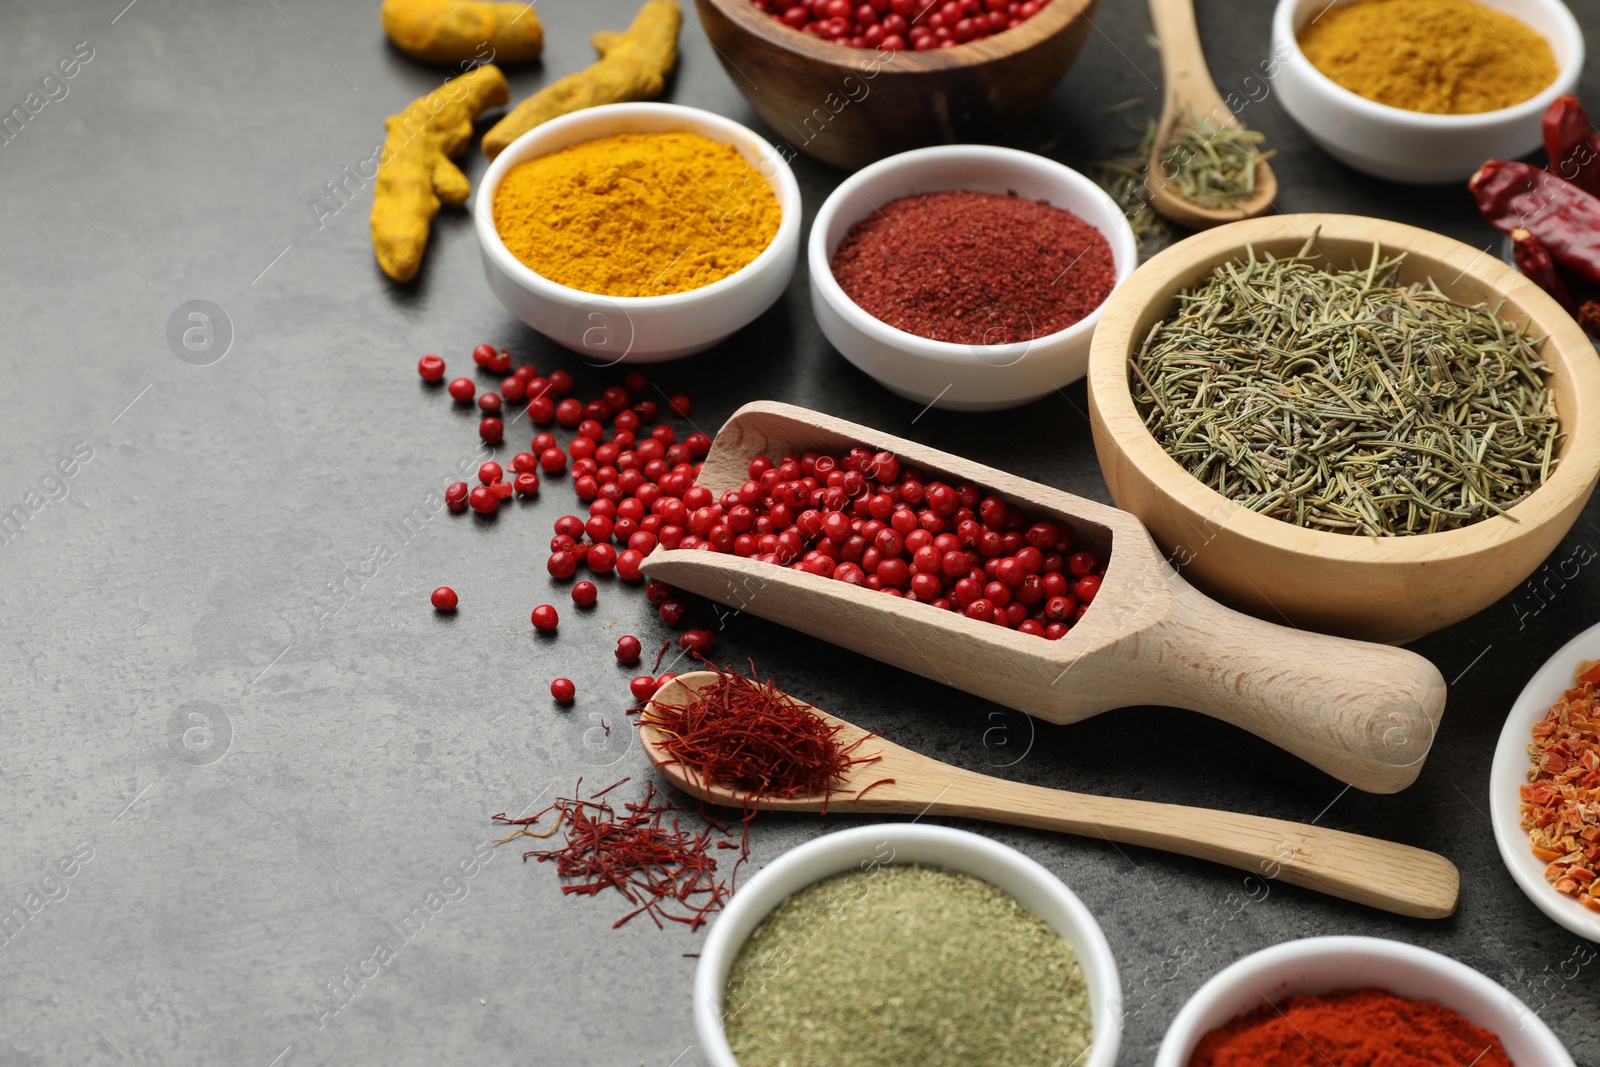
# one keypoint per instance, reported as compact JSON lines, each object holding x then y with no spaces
{"x":462,"y":389}
{"x":444,"y":599}
{"x":628,"y":649}
{"x":697,"y":641}
{"x":455,"y":496}
{"x":545,"y":619}
{"x":492,"y":430}
{"x":629,"y":561}
{"x":584,"y":594}
{"x":563,"y":690}
{"x":483,"y":500}
{"x":431,"y":368}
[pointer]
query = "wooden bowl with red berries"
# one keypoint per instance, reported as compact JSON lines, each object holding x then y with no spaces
{"x":850,"y":104}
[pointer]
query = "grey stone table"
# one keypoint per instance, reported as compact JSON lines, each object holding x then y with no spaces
{"x":246,"y":773}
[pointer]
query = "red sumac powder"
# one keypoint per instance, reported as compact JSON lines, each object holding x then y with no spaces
{"x":975,"y":268}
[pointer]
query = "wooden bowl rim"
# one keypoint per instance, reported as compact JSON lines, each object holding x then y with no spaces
{"x":1052,"y":19}
{"x":1113,"y":411}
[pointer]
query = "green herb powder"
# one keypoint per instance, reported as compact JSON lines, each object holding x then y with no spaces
{"x":906,"y":965}
{"x":1341,"y":400}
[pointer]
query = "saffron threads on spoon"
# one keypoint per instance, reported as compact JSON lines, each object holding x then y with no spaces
{"x":746,"y":735}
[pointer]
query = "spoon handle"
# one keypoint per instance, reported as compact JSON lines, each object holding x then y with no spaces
{"x":1366,"y":713}
{"x":1183,"y":61}
{"x":1382,"y":874}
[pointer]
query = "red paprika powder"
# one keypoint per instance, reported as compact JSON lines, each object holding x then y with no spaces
{"x":1351,"y":1028}
{"x":975,"y":268}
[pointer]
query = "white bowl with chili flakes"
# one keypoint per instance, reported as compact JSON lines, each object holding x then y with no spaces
{"x":1512,"y":764}
{"x":943,"y":374}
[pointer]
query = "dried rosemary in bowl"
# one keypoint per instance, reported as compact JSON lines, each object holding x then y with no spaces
{"x":1340,"y":400}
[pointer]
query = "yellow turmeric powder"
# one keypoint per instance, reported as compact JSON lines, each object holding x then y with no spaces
{"x":632,"y":66}
{"x":1448,"y":57}
{"x":638,"y":214}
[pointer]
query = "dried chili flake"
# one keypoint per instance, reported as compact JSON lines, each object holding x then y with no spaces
{"x":1561,"y":802}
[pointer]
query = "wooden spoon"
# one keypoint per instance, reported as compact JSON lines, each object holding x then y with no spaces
{"x":1190,"y":90}
{"x":1397,"y":878}
{"x":1364,"y":713}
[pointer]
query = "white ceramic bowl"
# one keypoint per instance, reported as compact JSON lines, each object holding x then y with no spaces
{"x":866,"y":847}
{"x":1510,"y":773}
{"x":1411,"y":146}
{"x":1324,"y":964}
{"x":641,"y":329}
{"x":953,"y":376}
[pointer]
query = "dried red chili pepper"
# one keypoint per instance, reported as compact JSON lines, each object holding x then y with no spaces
{"x":1572,"y":144}
{"x":1564,"y":218}
{"x":1533,"y":260}
{"x":1589,"y":317}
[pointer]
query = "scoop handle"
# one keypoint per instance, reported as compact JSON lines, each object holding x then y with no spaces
{"x":1365,"y":713}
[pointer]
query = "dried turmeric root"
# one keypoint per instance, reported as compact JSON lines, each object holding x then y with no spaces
{"x":457,"y":31}
{"x":632,"y":66}
{"x":415,"y":174}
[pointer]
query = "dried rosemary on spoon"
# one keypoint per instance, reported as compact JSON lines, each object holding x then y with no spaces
{"x":1212,"y":165}
{"x":1341,"y":400}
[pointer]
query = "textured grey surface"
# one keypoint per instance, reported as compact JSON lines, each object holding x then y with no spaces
{"x":237,"y":547}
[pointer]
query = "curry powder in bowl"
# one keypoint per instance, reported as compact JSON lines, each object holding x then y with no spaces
{"x":637,"y":214}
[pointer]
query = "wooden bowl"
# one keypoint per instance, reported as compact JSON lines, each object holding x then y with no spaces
{"x":851,"y":106}
{"x":1391,"y":589}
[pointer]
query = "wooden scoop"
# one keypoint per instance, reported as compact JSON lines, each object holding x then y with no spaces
{"x":1397,"y":878}
{"x":1364,"y":713}
{"x":1190,"y":90}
